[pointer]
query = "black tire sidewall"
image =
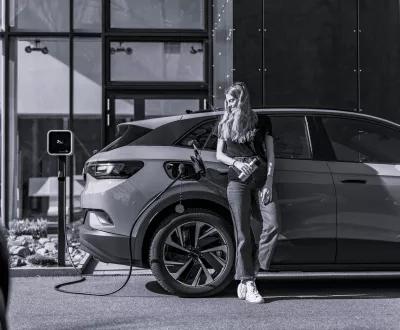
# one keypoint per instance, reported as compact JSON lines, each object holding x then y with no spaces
{"x":159,"y":270}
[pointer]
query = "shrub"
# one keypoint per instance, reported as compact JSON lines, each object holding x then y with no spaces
{"x":35,"y":227}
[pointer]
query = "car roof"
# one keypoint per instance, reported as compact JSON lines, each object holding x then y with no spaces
{"x":153,"y":123}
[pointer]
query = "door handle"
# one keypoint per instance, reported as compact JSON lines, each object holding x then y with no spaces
{"x":354,"y":181}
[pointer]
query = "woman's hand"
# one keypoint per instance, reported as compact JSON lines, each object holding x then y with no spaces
{"x":244,"y":167}
{"x":266,"y":193}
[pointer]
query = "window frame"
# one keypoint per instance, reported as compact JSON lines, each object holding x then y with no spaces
{"x":367,"y":120}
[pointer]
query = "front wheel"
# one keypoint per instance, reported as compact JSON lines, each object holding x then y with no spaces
{"x":192,"y":254}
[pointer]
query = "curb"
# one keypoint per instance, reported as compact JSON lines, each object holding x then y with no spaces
{"x":50,"y":271}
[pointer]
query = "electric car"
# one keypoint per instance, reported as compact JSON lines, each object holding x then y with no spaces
{"x":337,"y":176}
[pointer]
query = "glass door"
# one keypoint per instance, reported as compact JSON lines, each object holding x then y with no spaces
{"x":125,"y":107}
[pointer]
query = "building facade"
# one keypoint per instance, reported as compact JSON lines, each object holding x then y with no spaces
{"x":87,"y":65}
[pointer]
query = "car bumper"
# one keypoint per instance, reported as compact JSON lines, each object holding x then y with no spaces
{"x":107,"y":247}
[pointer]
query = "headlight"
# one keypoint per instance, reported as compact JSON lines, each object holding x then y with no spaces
{"x":113,"y":170}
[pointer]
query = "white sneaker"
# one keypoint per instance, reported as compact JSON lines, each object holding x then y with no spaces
{"x":252,"y":294}
{"x":241,"y":290}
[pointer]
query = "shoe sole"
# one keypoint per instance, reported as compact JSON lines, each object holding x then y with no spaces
{"x":255,"y":302}
{"x":241,"y":297}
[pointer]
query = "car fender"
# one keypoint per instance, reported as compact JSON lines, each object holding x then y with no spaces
{"x":172,"y":198}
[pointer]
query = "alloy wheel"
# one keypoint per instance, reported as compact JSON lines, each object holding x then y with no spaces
{"x":195,"y":253}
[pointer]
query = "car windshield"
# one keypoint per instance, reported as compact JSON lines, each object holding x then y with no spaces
{"x":127,"y":135}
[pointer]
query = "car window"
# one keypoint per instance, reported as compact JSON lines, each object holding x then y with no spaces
{"x":355,"y":140}
{"x":290,"y":137}
{"x":204,"y":134}
{"x":127,"y":135}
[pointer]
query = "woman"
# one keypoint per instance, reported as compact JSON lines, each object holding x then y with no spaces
{"x":245,"y":138}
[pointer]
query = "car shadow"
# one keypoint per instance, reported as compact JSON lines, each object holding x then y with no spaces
{"x":298,"y":289}
{"x":301,"y":289}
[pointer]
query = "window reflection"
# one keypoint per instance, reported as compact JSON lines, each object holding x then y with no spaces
{"x":157,"y":61}
{"x":39,"y":15}
{"x":157,"y":14}
{"x":169,"y":107}
{"x":362,"y":141}
{"x":290,"y":136}
{"x":87,"y":15}
{"x":1,"y":15}
{"x":39,"y":101}
{"x":87,"y":102}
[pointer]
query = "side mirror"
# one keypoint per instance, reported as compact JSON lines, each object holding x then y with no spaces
{"x":94,"y":151}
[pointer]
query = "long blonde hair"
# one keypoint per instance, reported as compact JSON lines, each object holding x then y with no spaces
{"x":238,"y":123}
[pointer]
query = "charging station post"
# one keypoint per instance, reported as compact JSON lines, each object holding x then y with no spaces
{"x":61,"y":209}
{"x":60,"y":144}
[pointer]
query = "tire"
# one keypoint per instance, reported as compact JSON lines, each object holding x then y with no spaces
{"x":4,"y":273}
{"x":183,"y":272}
{"x":3,"y":319}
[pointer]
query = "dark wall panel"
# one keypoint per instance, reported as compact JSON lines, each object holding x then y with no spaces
{"x":247,"y":46}
{"x":311,"y":53}
{"x":380,"y":58}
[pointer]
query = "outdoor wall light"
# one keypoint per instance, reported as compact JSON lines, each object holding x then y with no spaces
{"x":195,"y":51}
{"x":119,"y":49}
{"x":30,"y":49}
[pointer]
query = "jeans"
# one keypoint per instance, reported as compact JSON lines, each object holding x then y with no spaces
{"x":255,"y":240}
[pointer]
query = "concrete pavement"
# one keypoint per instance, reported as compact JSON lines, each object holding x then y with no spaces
{"x":143,"y":304}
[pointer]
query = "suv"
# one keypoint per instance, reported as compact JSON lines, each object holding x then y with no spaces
{"x":337,"y":177}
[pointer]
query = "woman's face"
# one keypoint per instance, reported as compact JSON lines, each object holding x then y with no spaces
{"x":231,"y":101}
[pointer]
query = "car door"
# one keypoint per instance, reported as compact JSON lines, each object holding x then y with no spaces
{"x":306,"y":196}
{"x":366,"y":173}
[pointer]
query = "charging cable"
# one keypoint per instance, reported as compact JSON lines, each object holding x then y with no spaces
{"x":83,"y":278}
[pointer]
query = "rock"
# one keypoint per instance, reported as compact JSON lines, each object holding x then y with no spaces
{"x":21,"y":251}
{"x":41,"y":251}
{"x":43,"y":241}
{"x":26,"y":239}
{"x":13,"y":242}
{"x":50,"y":247}
{"x":17,"y":262}
{"x":18,"y":241}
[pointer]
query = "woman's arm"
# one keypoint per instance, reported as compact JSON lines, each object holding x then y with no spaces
{"x":244,"y":167}
{"x":266,"y":191}
{"x":221,"y":156}
{"x":269,"y":141}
